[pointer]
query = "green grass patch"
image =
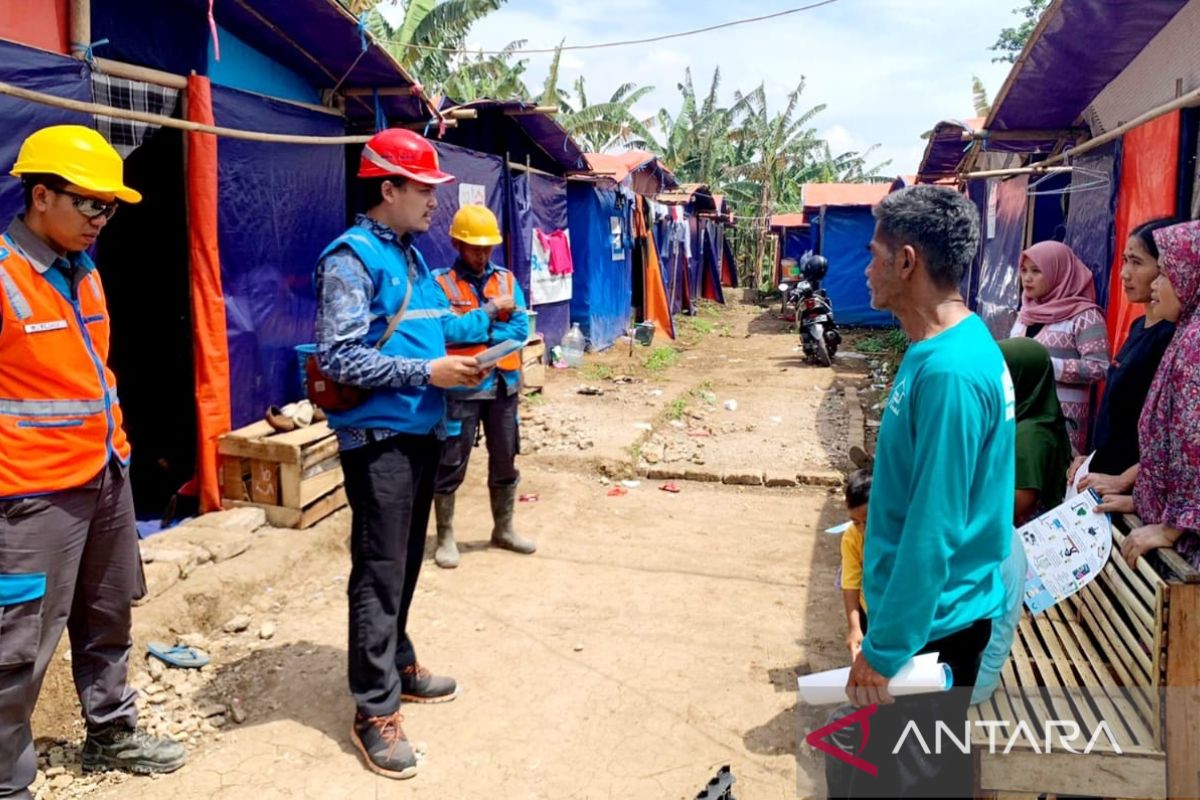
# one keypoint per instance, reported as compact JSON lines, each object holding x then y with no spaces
{"x":661,"y":358}
{"x":676,"y":409}
{"x":598,"y":372}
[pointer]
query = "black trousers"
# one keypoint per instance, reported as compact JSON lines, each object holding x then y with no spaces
{"x":911,"y":772}
{"x":390,"y":488}
{"x":500,"y":429}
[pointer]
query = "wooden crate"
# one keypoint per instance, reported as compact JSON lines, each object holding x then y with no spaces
{"x":295,"y":477}
{"x":533,"y":366}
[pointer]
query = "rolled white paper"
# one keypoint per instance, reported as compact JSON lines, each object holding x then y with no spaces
{"x":922,"y":675}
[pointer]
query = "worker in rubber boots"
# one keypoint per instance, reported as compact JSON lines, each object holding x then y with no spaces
{"x":68,"y":540}
{"x":382,"y":325}
{"x":473,"y":283}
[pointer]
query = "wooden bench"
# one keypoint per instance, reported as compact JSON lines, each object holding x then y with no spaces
{"x":1107,"y":654}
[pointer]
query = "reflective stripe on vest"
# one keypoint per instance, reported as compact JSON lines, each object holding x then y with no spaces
{"x":464,"y":300}
{"x":60,"y":418}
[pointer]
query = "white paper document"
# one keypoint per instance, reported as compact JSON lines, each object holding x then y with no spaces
{"x":1065,"y":549}
{"x":922,"y":675}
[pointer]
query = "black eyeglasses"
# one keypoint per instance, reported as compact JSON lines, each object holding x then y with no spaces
{"x":90,"y":207}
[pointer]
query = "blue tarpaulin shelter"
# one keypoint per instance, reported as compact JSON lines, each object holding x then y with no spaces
{"x":478,"y":175}
{"x":602,"y":292}
{"x":41,"y":71}
{"x":845,"y":233}
{"x":998,"y":294}
{"x":538,"y":202}
{"x":279,"y":206}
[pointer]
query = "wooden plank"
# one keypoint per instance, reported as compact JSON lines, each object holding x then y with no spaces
{"x":1039,"y":710}
{"x":322,"y":450}
{"x":1104,"y":692}
{"x":1160,"y":659}
{"x":1124,"y":643}
{"x":289,"y":486}
{"x":1183,"y":681}
{"x":323,"y":508}
{"x":277,"y":516}
{"x":1096,"y":774}
{"x":255,"y":430}
{"x":264,"y":482}
{"x":304,"y":436}
{"x":319,"y":486}
{"x":1146,"y":587}
{"x":1135,"y":689}
{"x":1128,"y":600}
{"x":264,"y":450}
{"x":233,"y":479}
{"x":1048,"y":654}
{"x":1018,"y":698}
{"x":316,"y":469}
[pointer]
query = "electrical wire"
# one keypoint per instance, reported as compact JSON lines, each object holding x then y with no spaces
{"x":623,"y":43}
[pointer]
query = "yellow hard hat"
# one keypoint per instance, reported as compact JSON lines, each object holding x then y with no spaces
{"x":78,"y":155}
{"x":475,"y":225}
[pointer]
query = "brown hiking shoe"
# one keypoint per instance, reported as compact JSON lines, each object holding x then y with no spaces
{"x":419,"y":685}
{"x":382,"y":742}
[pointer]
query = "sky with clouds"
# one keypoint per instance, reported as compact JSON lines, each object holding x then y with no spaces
{"x":887,"y":70}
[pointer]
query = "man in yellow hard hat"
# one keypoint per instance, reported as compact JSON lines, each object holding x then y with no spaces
{"x":474,"y":282}
{"x":68,"y":543}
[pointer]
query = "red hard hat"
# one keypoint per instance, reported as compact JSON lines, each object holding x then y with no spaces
{"x":401,"y":152}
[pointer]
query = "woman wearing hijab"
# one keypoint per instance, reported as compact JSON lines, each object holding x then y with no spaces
{"x":1113,"y":468}
{"x":1167,"y":493}
{"x":1059,"y":310}
{"x":1043,"y":454}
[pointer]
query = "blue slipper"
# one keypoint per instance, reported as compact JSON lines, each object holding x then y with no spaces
{"x":178,"y":656}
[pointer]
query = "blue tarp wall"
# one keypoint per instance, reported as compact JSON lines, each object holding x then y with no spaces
{"x":468,"y":167}
{"x":1092,"y":216}
{"x":674,"y":268}
{"x":40,"y":71}
{"x":796,"y":242}
{"x":998,"y":294}
{"x":602,"y":293}
{"x":845,"y":233}
{"x":977,"y":191}
{"x":279,"y":206}
{"x":537,"y":201}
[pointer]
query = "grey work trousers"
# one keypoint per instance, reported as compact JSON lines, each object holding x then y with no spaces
{"x":498,"y":417}
{"x":85,"y":542}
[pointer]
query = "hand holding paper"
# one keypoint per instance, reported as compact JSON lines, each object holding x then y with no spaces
{"x":922,"y":675}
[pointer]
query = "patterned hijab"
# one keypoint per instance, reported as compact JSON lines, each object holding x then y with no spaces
{"x":1168,"y":483}
{"x":1072,"y":286}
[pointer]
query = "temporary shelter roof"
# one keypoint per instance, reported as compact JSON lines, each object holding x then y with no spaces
{"x":816,"y":195}
{"x":318,"y":39}
{"x":792,"y":220}
{"x":650,"y":175}
{"x":1077,"y":50}
{"x":520,"y":130}
{"x":946,"y":148}
{"x":698,"y":195}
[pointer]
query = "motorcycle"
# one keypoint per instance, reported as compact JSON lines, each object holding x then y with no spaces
{"x":814,"y":320}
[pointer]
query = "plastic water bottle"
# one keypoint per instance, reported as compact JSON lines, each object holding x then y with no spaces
{"x":573,"y":346}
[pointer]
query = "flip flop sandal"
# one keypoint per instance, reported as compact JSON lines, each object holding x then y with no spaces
{"x":180,"y":655}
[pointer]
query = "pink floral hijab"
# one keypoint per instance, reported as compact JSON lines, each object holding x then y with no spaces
{"x":1168,"y":482}
{"x":1072,"y":287}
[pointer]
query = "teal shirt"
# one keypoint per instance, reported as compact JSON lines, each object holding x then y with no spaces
{"x":941,"y":513}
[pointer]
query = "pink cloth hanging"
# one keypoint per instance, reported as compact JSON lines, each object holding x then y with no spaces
{"x":559,"y":247}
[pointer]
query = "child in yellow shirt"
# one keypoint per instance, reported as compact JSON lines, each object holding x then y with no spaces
{"x":858,"y":494}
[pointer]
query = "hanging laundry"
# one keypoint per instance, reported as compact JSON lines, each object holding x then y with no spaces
{"x":558,"y":246}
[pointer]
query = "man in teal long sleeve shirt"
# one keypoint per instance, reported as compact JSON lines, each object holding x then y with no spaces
{"x":941,"y":501}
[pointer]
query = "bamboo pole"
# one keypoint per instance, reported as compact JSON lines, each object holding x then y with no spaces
{"x":548,"y":111}
{"x":79,"y":22}
{"x":1186,"y":101}
{"x":385,"y":91}
{"x":1005,"y":173}
{"x":171,"y":122}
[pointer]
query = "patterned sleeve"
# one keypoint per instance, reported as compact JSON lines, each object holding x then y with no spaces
{"x":343,"y":320}
{"x":1091,"y":340}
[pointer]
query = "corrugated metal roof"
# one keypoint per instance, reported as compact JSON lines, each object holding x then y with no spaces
{"x":793,"y":220}
{"x":843,"y":194}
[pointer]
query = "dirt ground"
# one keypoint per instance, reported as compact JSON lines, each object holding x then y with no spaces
{"x":653,"y":638}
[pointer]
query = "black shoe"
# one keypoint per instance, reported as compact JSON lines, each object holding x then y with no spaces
{"x":382,"y":742}
{"x":130,"y":750}
{"x":419,"y":685}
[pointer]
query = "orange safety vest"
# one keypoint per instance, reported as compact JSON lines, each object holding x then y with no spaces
{"x":464,"y":300}
{"x":60,"y":421}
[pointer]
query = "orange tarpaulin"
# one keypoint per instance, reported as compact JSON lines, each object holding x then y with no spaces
{"x":210,"y":344}
{"x":657,"y":307}
{"x":37,"y":23}
{"x":1149,"y":182}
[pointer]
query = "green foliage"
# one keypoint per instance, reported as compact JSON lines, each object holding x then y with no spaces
{"x":661,"y":358}
{"x":1012,"y":41}
{"x":676,"y":409}
{"x":598,"y":372}
{"x":893,"y":342}
{"x":979,"y":97}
